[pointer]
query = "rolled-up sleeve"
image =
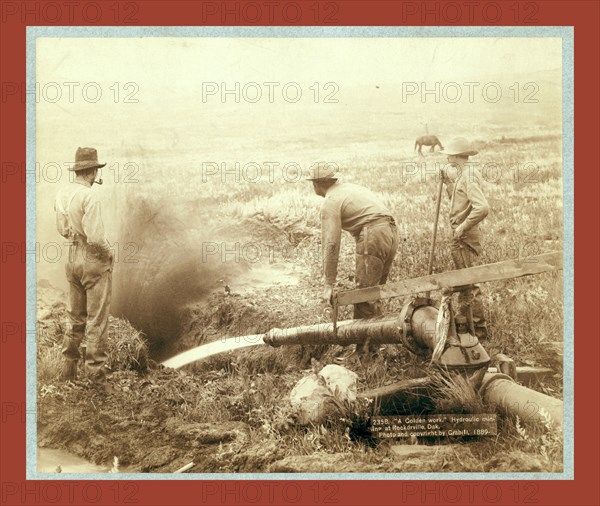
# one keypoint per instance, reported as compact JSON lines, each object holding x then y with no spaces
{"x":331,"y":236}
{"x":92,"y":223}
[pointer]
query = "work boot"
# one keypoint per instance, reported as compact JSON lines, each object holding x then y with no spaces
{"x":69,"y":371}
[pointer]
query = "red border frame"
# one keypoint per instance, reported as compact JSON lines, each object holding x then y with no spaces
{"x":584,"y":490}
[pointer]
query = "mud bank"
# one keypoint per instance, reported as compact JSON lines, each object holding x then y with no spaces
{"x":142,"y":421}
{"x":226,"y":422}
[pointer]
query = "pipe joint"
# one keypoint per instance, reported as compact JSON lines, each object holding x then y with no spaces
{"x":488,"y":379}
{"x":270,"y":338}
{"x":406,"y":326}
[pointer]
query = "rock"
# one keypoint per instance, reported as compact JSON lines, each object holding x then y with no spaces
{"x":341,"y":381}
{"x":322,"y":396}
{"x":310,"y":397}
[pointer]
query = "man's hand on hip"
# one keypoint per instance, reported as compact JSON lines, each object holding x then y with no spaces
{"x":458,"y":232}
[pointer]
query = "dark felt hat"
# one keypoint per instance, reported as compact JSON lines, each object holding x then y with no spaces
{"x":86,"y":158}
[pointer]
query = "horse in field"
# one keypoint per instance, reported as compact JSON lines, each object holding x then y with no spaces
{"x":427,"y":140}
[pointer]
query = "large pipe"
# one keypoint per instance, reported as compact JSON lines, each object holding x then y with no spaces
{"x":379,"y":330}
{"x":415,"y":328}
{"x":497,"y":390}
{"x":531,"y":406}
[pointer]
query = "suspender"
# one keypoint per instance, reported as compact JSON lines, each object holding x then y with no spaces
{"x":65,"y":211}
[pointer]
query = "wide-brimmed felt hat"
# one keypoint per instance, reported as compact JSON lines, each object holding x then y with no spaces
{"x":86,"y":158}
{"x":323,"y":171}
{"x":459,"y":146}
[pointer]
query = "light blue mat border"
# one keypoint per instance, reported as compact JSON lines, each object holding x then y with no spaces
{"x":567,"y":36}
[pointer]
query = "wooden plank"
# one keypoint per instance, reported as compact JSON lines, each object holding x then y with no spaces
{"x":528,"y":375}
{"x":453,"y":279}
{"x":395,"y":388}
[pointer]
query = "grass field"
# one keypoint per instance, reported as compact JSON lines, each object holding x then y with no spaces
{"x":190,"y":220}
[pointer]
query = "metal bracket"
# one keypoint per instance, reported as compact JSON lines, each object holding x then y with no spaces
{"x":505,"y":365}
{"x":405,"y":319}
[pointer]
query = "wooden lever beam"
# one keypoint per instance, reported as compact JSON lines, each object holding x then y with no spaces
{"x":506,"y":269}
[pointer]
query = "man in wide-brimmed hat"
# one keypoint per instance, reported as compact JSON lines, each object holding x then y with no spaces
{"x":468,"y":207}
{"x":89,"y":267}
{"x":357,"y":210}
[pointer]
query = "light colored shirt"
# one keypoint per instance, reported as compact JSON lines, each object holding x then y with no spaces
{"x":468,"y":205}
{"x":78,"y":213}
{"x":349,"y":207}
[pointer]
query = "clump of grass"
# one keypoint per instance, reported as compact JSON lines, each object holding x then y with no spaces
{"x":545,"y":438}
{"x":127,"y":348}
{"x":453,"y":393}
{"x":49,"y":363}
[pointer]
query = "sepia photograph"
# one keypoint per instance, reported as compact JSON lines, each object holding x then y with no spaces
{"x":297,"y":255}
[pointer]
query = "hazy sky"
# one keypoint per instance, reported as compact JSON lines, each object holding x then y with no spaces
{"x":170,"y":128}
{"x":179,"y":65}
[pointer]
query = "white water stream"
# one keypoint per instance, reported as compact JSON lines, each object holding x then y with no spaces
{"x":208,"y":350}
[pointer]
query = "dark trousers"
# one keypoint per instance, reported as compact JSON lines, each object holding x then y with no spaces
{"x":464,"y":256}
{"x":90,"y":281}
{"x":376,"y":247}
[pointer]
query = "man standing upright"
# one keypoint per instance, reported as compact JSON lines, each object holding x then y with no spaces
{"x":357,"y":210}
{"x":89,"y":267}
{"x":468,"y":207}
